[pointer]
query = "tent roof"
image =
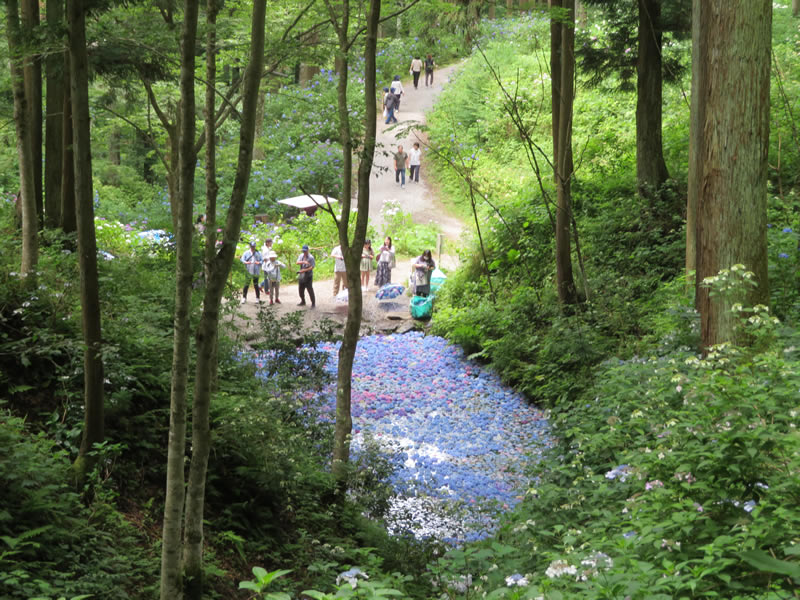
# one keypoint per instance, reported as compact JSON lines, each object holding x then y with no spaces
{"x":307,"y":201}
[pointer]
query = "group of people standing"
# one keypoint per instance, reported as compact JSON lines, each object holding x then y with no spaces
{"x":266,"y":261}
{"x":394,"y":92}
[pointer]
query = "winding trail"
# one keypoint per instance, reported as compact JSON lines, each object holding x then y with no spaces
{"x":456,"y":437}
{"x":417,"y":199}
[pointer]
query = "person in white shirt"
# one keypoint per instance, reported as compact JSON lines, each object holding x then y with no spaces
{"x":272,"y":276}
{"x":397,"y":90}
{"x":339,"y":270}
{"x":266,"y":248}
{"x":413,"y":162}
{"x":415,"y":69}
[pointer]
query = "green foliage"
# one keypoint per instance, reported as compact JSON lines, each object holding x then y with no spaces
{"x":408,"y":238}
{"x":51,"y":543}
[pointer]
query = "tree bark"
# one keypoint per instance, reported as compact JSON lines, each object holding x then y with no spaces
{"x":69,"y":219}
{"x":218,"y":270}
{"x":697,"y":118}
{"x":651,"y":170}
{"x":27,"y":186}
{"x":352,"y":250}
{"x":795,"y":7}
{"x":54,"y":128}
{"x":93,"y":430}
{"x":32,"y":75}
{"x":171,"y":567}
{"x":563,"y":96}
{"x":732,"y":157}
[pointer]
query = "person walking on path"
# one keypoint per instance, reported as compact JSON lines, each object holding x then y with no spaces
{"x":272,"y":276}
{"x":400,"y":163}
{"x":415,"y":69}
{"x":389,"y":101}
{"x":429,"y":64}
{"x":367,"y":254}
{"x":252,"y":261}
{"x":423,"y":267}
{"x":386,"y":262}
{"x":413,"y":163}
{"x":397,"y":90}
{"x":305,"y":276}
{"x":339,"y":270}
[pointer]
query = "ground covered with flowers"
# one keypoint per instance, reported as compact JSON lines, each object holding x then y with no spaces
{"x":457,"y":437}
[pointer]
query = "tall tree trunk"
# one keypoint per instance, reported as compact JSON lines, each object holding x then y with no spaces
{"x":69,"y":218}
{"x":563,"y":96}
{"x":54,"y":129}
{"x":352,"y":249}
{"x":651,"y":170}
{"x":795,"y":7}
{"x":697,"y":118}
{"x":27,"y":186}
{"x":93,"y":429}
{"x":732,"y":206}
{"x":183,"y":203}
{"x":33,"y":91}
{"x":114,"y":142}
{"x":218,"y":268}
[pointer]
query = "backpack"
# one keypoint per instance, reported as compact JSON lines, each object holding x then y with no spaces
{"x":390,"y":101}
{"x":429,"y":64}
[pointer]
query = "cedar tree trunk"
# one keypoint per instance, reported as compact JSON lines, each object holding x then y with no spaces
{"x":732,"y":156}
{"x":651,"y":170}
{"x":54,"y":129}
{"x":87,"y":245}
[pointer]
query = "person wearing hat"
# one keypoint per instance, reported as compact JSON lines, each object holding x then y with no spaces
{"x":305,"y":276}
{"x":272,"y":276}
{"x":252,"y":261}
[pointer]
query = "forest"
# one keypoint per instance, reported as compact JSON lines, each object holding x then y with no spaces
{"x":604,"y":402}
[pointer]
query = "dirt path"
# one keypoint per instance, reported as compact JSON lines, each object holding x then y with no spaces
{"x":417,"y":199}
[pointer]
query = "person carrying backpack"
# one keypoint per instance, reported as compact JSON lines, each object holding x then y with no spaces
{"x":429,"y":64}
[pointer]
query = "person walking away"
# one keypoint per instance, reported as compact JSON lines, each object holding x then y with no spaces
{"x":397,"y":90}
{"x":415,"y":69}
{"x":367,"y":254}
{"x":400,"y":164}
{"x":423,"y":267}
{"x":252,"y":261}
{"x":272,"y":276}
{"x":413,"y":163}
{"x":389,"y":101}
{"x":339,"y":270}
{"x":305,"y":276}
{"x":429,"y":64}
{"x":386,"y":261}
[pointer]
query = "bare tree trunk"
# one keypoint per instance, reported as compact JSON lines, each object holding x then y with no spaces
{"x":69,"y":219}
{"x":795,"y":7}
{"x":218,"y":270}
{"x":651,"y":170}
{"x":30,"y":240}
{"x":563,"y":95}
{"x":54,"y":129}
{"x":114,"y":141}
{"x":697,"y":110}
{"x":32,"y":75}
{"x":732,"y":206}
{"x":93,"y":430}
{"x":171,"y":567}
{"x":352,"y":250}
